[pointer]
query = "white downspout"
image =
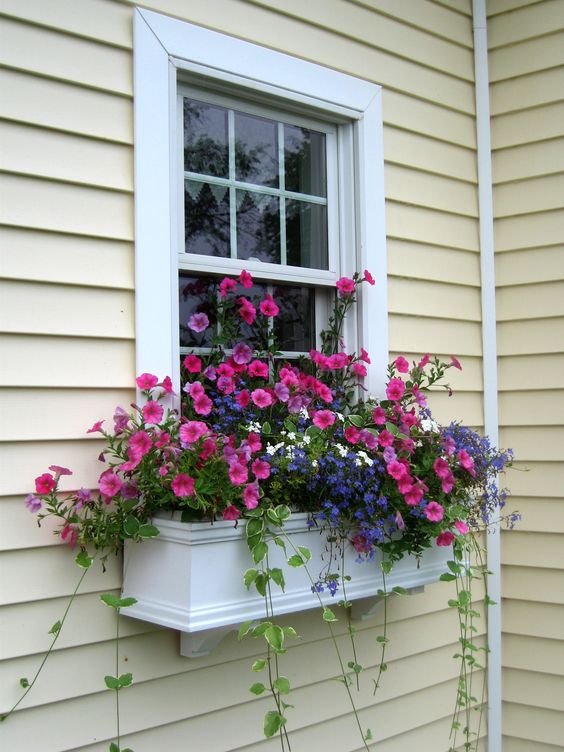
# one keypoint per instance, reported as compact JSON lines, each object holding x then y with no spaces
{"x":489,"y":348}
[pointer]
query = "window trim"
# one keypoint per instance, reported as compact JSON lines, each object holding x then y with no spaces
{"x":165,"y":48}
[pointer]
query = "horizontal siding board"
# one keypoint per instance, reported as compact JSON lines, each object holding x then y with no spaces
{"x":47,"y":53}
{"x":67,"y":362}
{"x":521,"y":93}
{"x":376,"y":30}
{"x":418,"y":261}
{"x":104,"y":21}
{"x":425,"y":298}
{"x":537,"y":443}
{"x":528,"y":196}
{"x":527,"y":337}
{"x":465,"y":406}
{"x":535,"y":550}
{"x":532,"y":585}
{"x":498,"y":7}
{"x":528,"y":160}
{"x":428,"y":118}
{"x":429,"y":154}
{"x":61,"y":207}
{"x":535,"y":20}
{"x":529,"y":266}
{"x":529,"y":231}
{"x":66,"y":310}
{"x":65,"y":414}
{"x":65,"y":259}
{"x":533,"y":689}
{"x":539,"y":515}
{"x":533,"y":408}
{"x":424,"y":225}
{"x":537,"y":725}
{"x":418,"y":188}
{"x":527,"y":126}
{"x":413,"y":333}
{"x":530,"y":301}
{"x":542,"y":479}
{"x":527,"y":56}
{"x":511,"y":744}
{"x":539,"y":372}
{"x":468,"y":380}
{"x":66,"y":107}
{"x":538,"y":620}
{"x":50,"y":154}
{"x":533,"y":654}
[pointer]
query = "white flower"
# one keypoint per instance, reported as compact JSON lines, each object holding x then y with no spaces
{"x":306,"y":439}
{"x":428,"y":424}
{"x":253,"y":427}
{"x":292,"y":436}
{"x":365,"y":458}
{"x":304,"y":413}
{"x":340,"y":416}
{"x":343,"y":451}
{"x":314,"y":463}
{"x":270,"y":449}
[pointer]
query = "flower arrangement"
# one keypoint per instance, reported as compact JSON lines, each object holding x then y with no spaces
{"x":258,"y":436}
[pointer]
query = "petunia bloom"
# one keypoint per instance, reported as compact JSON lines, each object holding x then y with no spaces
{"x":369,"y":278}
{"x":245,"y":279}
{"x":461,"y":526}
{"x":434,"y":511}
{"x":44,"y":484}
{"x":33,"y":503}
{"x":198,"y":322}
{"x":182,"y":485}
{"x":345,"y":286}
{"x":146,"y":381}
{"x":268,"y":306}
{"x":242,"y":353}
{"x":261,"y":398}
{"x":192,"y":364}
{"x":261,"y":469}
{"x":401,"y":364}
{"x":231,"y":513}
{"x":395,"y":389}
{"x":323,"y":419}
{"x":109,"y":484}
{"x":97,"y":427}
{"x":152,"y":412}
{"x":445,"y":539}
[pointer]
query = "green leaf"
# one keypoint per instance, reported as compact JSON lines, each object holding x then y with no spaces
{"x":244,"y":629}
{"x":249,"y":577}
{"x":125,"y":680}
{"x":305,"y":552}
{"x":127,"y":602}
{"x":313,"y":431}
{"x":83,"y":560}
{"x":274,"y":635}
{"x":392,"y":428}
{"x":131,"y":525}
{"x":368,"y":736}
{"x":278,"y":577}
{"x":114,"y":747}
{"x":266,"y":429}
{"x":356,"y":667}
{"x":489,"y":601}
{"x":290,"y":427}
{"x":454,"y":567}
{"x":296,"y":561}
{"x":254,"y":527}
{"x":386,"y":566}
{"x":259,"y":552}
{"x":399,"y":590}
{"x":273,"y":721}
{"x":291,"y":633}
{"x":282,"y":685}
{"x":261,"y":628}
{"x":260,"y":583}
{"x":383,"y":640}
{"x":328,"y":615}
{"x":112,"y":682}
{"x":56,"y":628}
{"x":148,"y":531}
{"x":283,"y":511}
{"x":110,"y":600}
{"x":280,"y":542}
{"x":453,"y":603}
{"x":24,"y":683}
{"x":356,"y":420}
{"x":257,"y":688}
{"x":446,"y":577}
{"x":258,"y":665}
{"x":272,"y":516}
{"x":464,"y":597}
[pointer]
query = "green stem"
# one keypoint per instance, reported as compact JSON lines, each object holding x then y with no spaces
{"x":384,"y":635}
{"x":117,"y":674}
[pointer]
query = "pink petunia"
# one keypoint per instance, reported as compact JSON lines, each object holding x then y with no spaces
{"x":258,"y":369}
{"x":69,"y":534}
{"x":254,"y":442}
{"x":140,"y":442}
{"x":466,"y":461}
{"x":361,"y":544}
{"x":210,"y":373}
{"x":364,"y":356}
{"x":323,"y":419}
{"x":434,"y":511}
{"x":226,"y":384}
{"x":461,"y":526}
{"x":162,"y":439}
{"x":455,"y":362}
{"x":245,"y":279}
{"x":424,"y":360}
{"x":152,"y":412}
{"x":261,"y":398}
{"x":385,"y":438}
{"x":225,"y":369}
{"x":395,"y":389}
{"x":337,"y":361}
{"x":419,"y":397}
{"x":445,"y":539}
{"x":251,"y":496}
{"x":226,"y":285}
{"x":146,"y":381}
{"x":182,"y":485}
{"x":447,"y":484}
{"x":191,"y":431}
{"x":401,"y":364}
{"x":243,"y":398}
{"x":109,"y":484}
{"x":261,"y":469}
{"x":379,"y":416}
{"x":192,"y":363}
{"x":242,"y":353}
{"x":369,"y":278}
{"x":369,"y":439}
{"x":166,"y":385}
{"x":209,"y":447}
{"x":396,"y":469}
{"x":414,"y":496}
{"x":33,"y":503}
{"x":441,"y":467}
{"x":359,"y":370}
{"x":198,"y":322}
{"x":44,"y":484}
{"x":247,"y":311}
{"x":352,"y":435}
{"x":324,"y":392}
{"x":58,"y":470}
{"x":399,"y":521}
{"x":231,"y":513}
{"x":268,"y":307}
{"x":203,"y":405}
{"x":345,"y":286}
{"x":96,"y":428}
{"x":238,"y":474}
{"x":121,"y":419}
{"x":281,"y":391}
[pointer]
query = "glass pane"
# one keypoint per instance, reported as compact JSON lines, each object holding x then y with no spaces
{"x":295,"y":325}
{"x":304,"y":161}
{"x":258,"y":226}
{"x":256,"y":150}
{"x":306,"y":234}
{"x":205,"y":139}
{"x":206,"y":218}
{"x":195,"y":296}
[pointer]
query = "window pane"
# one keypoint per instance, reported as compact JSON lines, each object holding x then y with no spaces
{"x":195,"y":296}
{"x":207,"y":220}
{"x":306,"y":234}
{"x":295,"y":325}
{"x":304,"y":161}
{"x":205,"y":139}
{"x":256,"y":150}
{"x":258,"y":226}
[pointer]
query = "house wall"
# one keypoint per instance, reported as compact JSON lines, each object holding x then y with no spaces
{"x":527,"y":105}
{"x":69,"y":340}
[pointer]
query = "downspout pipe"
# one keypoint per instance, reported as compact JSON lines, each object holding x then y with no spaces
{"x":489,"y":353}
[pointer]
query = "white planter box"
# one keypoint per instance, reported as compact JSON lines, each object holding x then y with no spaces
{"x":190,"y":577}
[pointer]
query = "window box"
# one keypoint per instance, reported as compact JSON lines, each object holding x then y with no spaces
{"x":190,"y":578}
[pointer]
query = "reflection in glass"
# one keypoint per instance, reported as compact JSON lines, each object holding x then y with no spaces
{"x":295,"y":325}
{"x":304,"y":161}
{"x":306,"y":234}
{"x":258,"y":226}
{"x":256,"y":150}
{"x":196,"y":295}
{"x":205,"y":139}
{"x":206,"y":211}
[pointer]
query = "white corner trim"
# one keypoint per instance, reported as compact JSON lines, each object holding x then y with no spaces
{"x":489,"y":348}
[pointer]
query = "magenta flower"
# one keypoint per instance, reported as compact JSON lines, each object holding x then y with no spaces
{"x":231,"y":513}
{"x":254,"y":442}
{"x":69,"y":534}
{"x":414,"y":496}
{"x":379,"y":416}
{"x":242,"y":353}
{"x":238,"y":474}
{"x":324,"y":392}
{"x":323,"y":419}
{"x":268,"y":307}
{"x":455,"y":362}
{"x":385,"y":438}
{"x":109,"y":484}
{"x":203,"y":405}
{"x":396,"y":469}
{"x":282,"y":391}
{"x":226,"y":285}
{"x":361,"y":544}
{"x":466,"y":461}
{"x":83,"y":496}
{"x":441,"y":467}
{"x":33,"y":503}
{"x":251,"y":496}
{"x":258,"y":369}
{"x":198,"y":322}
{"x":261,"y":469}
{"x":419,"y":396}
{"x":447,"y":484}
{"x":401,"y":364}
{"x":337,"y":361}
{"x":369,"y":439}
{"x":352,"y":435}
{"x":399,"y":521}
{"x":364,"y":356}
{"x":191,"y":431}
{"x":166,"y":385}
{"x":395,"y":390}
{"x":424,"y":360}
{"x":359,"y":370}
{"x":247,"y":311}
{"x":121,"y":419}
{"x":261,"y":398}
{"x":461,"y":526}
{"x":345,"y":286}
{"x":44,"y":484}
{"x":146,"y":381}
{"x":243,"y":398}
{"x":226,"y":384}
{"x":96,"y":428}
{"x":434,"y":511}
{"x":245,"y":279}
{"x":369,"y":278}
{"x":152,"y":412}
{"x":140,"y":442}
{"x":445,"y":539}
{"x":182,"y":485}
{"x":210,"y":373}
{"x":192,"y":364}
{"x":58,"y":470}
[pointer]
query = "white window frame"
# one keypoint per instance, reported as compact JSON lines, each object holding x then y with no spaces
{"x":165,"y":50}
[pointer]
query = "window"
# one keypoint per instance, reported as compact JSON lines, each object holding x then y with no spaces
{"x":246,"y":158}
